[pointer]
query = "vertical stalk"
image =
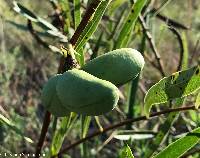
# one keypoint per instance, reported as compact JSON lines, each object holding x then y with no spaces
{"x":134,"y":87}
{"x":45,"y":126}
{"x":132,"y":99}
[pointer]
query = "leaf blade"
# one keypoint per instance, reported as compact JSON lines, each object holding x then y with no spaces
{"x":178,"y":85}
{"x":13,"y":127}
{"x":197,"y":103}
{"x":92,"y":25}
{"x":124,"y":35}
{"x":126,"y":152}
{"x":181,"y":145}
{"x":58,"y":138}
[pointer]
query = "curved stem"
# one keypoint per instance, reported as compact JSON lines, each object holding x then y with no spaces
{"x":128,"y":121}
{"x":152,"y":45}
{"x":180,"y":41}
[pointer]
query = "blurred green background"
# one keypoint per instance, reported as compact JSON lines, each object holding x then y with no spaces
{"x":25,"y":66}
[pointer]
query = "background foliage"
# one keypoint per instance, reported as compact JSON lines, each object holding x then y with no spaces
{"x":26,"y":64}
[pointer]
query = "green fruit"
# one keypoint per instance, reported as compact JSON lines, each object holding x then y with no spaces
{"x":118,"y":66}
{"x":50,"y":99}
{"x":86,"y":94}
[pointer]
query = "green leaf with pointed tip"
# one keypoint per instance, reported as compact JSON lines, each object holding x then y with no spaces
{"x":85,"y":123}
{"x":185,"y":51}
{"x":126,"y":152}
{"x":92,"y":25}
{"x":77,"y":12}
{"x":114,"y":5}
{"x":58,"y":137}
{"x":66,"y":13}
{"x":48,"y":27}
{"x":181,"y":146}
{"x":197,"y":103}
{"x":125,"y":33}
{"x":24,"y":11}
{"x":13,"y":127}
{"x":178,"y":85}
{"x":98,"y":123}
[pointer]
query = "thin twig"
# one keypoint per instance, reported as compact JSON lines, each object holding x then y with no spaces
{"x":191,"y":153}
{"x":152,"y":45}
{"x":89,"y":12}
{"x":151,"y":61}
{"x":34,"y":34}
{"x":180,"y":41}
{"x":169,"y":21}
{"x":195,"y":51}
{"x":128,"y":121}
{"x":66,"y":64}
{"x":45,"y":126}
{"x":162,"y":6}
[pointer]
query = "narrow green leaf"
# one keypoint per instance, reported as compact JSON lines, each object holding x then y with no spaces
{"x":65,"y":125}
{"x":114,"y":5}
{"x":81,"y":57}
{"x":179,"y":84}
{"x":24,"y":11}
{"x":126,"y":152}
{"x":31,"y":16}
{"x":92,"y":25}
{"x":182,"y":145}
{"x":85,"y":126}
{"x":185,"y":52}
{"x":48,"y":27}
{"x":114,"y":28}
{"x":123,"y":37}
{"x":197,"y":103}
{"x":13,"y":127}
{"x":97,"y":46}
{"x":59,"y":135}
{"x":24,"y":28}
{"x":77,"y":12}
{"x":65,"y":6}
{"x":162,"y":6}
{"x":98,"y":123}
{"x":132,"y":134}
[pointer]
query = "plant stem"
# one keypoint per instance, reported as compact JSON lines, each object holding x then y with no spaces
{"x":180,"y":41}
{"x":168,"y":21}
{"x":45,"y":126}
{"x":89,"y":12}
{"x":152,"y":45}
{"x":132,"y":99}
{"x":34,"y":34}
{"x":128,"y":121}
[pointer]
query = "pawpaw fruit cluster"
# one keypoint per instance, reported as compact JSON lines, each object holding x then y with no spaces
{"x":92,"y":90}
